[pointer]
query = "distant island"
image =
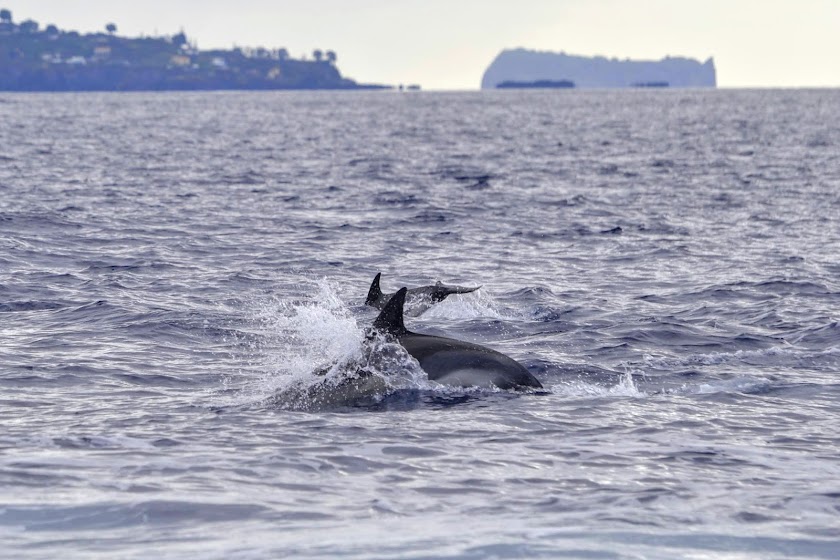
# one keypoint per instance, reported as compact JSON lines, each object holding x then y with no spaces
{"x":527,"y":66}
{"x":51,"y":59}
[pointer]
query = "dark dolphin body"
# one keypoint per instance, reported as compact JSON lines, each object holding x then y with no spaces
{"x":450,"y":361}
{"x":419,"y":299}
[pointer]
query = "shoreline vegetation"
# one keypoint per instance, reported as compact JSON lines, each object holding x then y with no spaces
{"x":33,"y":58}
{"x":536,"y":84}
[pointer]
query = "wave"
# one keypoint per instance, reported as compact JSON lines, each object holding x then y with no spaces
{"x":747,"y":385}
{"x":626,"y":387}
{"x":32,"y":305}
{"x":476,"y":305}
{"x":752,"y":357}
{"x":110,"y":515}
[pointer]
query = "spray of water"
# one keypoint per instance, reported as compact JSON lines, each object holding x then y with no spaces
{"x":625,"y":387}
{"x":312,"y":353}
{"x":480,"y":304}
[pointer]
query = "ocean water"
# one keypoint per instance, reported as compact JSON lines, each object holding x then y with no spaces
{"x":175,"y":267}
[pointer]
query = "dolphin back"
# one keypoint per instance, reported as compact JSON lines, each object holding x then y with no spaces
{"x":464,"y":364}
{"x":375,"y":292}
{"x":440,"y":292}
{"x":390,"y":320}
{"x":419,"y":299}
{"x":453,"y":362}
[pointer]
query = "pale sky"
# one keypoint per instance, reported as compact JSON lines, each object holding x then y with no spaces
{"x":447,"y":44}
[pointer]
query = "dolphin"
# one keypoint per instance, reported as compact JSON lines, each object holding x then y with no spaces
{"x":350,"y":387}
{"x":453,"y":362}
{"x":418,"y":299}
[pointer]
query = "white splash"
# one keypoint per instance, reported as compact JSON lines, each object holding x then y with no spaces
{"x":625,"y":387}
{"x":736,"y":385}
{"x":314,"y":352}
{"x":475,"y":305}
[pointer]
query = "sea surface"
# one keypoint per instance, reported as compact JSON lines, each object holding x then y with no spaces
{"x":176,"y":268}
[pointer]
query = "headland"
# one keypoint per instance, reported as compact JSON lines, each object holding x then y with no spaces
{"x":33,"y":58}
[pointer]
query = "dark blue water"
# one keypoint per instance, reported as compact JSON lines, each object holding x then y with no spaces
{"x":174,"y":267}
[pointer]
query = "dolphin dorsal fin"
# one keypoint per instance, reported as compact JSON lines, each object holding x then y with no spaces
{"x":375,"y":291}
{"x":391,"y":318}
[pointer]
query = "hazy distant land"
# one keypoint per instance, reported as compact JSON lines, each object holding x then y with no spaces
{"x":530,"y":67}
{"x":51,"y":59}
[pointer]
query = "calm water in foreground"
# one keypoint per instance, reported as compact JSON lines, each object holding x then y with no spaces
{"x":174,"y":267}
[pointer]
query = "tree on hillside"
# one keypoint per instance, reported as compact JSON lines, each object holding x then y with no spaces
{"x":318,"y":55}
{"x":331,"y":57}
{"x":180,"y":39}
{"x":5,"y":16}
{"x":111,"y":28}
{"x":282,"y":54}
{"x":51,"y":30}
{"x":29,"y":26}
